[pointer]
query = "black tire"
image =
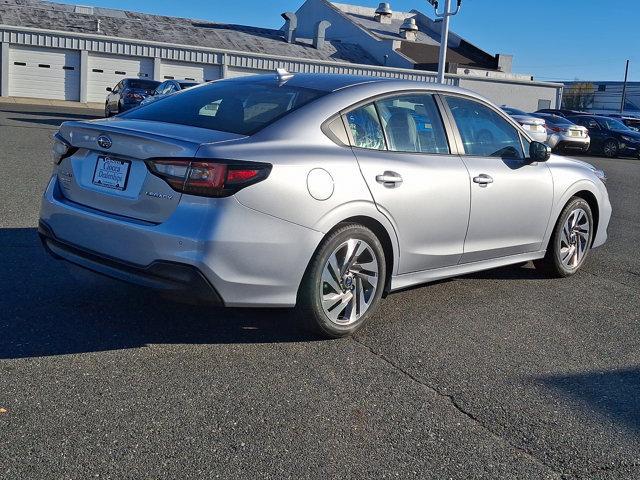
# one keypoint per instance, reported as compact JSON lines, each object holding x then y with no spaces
{"x":610,"y":149}
{"x":310,"y":309}
{"x":107,"y":112}
{"x":552,"y":263}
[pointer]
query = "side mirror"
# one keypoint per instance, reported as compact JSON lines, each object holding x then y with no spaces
{"x":109,"y":89}
{"x":539,"y":152}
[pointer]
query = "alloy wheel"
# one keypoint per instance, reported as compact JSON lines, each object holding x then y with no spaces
{"x":349,"y":281}
{"x":610,"y":149}
{"x":574,"y":239}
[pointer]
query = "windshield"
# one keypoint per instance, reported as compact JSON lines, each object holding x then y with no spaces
{"x":514,"y":111}
{"x":228,"y":106}
{"x":613,"y":124}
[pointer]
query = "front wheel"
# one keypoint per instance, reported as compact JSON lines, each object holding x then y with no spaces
{"x":571,"y":240}
{"x":343,"y":284}
{"x":107,"y":112}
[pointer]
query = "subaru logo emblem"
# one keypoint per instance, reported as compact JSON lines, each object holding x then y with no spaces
{"x":104,"y":141}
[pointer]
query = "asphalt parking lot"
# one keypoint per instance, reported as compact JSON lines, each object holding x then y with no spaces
{"x":501,"y":374}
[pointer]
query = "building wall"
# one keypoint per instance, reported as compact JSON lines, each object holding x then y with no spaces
{"x":525,"y":96}
{"x":519,"y":94}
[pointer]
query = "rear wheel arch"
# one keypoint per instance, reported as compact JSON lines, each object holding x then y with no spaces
{"x":380,"y":231}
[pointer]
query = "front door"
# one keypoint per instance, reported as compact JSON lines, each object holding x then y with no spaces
{"x":403,"y":153}
{"x":511,"y":198}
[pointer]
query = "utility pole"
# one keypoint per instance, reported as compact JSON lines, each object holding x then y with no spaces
{"x":444,"y":32}
{"x":624,"y":88}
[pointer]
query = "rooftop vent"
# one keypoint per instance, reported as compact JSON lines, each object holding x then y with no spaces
{"x":383,"y":13}
{"x":84,"y":10}
{"x":290,"y":25}
{"x":319,"y":37}
{"x":408,"y":29}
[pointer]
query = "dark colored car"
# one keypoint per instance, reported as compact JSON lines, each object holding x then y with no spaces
{"x":128,"y":93}
{"x":561,"y":112}
{"x":609,"y":136}
{"x":168,"y":87}
{"x":632,"y":122}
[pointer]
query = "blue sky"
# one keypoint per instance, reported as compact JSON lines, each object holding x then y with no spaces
{"x":552,"y":39}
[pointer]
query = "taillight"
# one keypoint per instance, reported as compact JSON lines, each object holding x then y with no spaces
{"x":208,"y":178}
{"x":134,"y":96}
{"x":61,"y":149}
{"x":554,"y":129}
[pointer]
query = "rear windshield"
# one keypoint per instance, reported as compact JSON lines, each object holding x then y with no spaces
{"x":234,"y":107}
{"x":142,"y":84}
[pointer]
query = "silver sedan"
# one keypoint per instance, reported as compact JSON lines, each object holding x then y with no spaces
{"x":534,"y":126}
{"x":319,"y":192}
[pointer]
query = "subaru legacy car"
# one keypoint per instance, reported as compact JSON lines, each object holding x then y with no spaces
{"x":319,"y":192}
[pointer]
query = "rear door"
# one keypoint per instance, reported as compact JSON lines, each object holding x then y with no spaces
{"x":511,"y":198}
{"x":402,"y":149}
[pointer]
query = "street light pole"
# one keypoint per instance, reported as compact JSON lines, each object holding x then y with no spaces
{"x":624,"y":88}
{"x":444,"y":33}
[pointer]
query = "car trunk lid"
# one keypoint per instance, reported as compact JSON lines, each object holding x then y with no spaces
{"x":108,"y":171}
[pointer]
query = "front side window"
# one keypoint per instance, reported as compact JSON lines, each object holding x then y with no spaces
{"x":484,"y":132}
{"x":241,"y":107}
{"x":412,"y":123}
{"x":365,"y":128}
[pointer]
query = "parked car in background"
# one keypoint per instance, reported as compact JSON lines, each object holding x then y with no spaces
{"x":631,"y":122}
{"x":167,"y":88}
{"x":128,"y":93}
{"x":533,"y":125}
{"x":561,"y":112}
{"x":609,"y":136}
{"x":563,"y":134}
{"x":304,"y":190}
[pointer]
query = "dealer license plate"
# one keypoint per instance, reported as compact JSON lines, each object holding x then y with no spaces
{"x":111,"y":173}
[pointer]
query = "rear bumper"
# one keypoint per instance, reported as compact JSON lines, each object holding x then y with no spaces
{"x":180,"y":280}
{"x":572,"y":143}
{"x":247,"y":258}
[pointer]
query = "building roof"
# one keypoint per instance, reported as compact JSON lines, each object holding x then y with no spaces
{"x":173,"y":30}
{"x":423,"y":49}
{"x":364,"y":17}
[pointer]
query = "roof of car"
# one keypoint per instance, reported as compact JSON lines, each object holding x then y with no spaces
{"x":329,"y":82}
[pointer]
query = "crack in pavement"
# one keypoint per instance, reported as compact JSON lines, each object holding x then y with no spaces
{"x":528,"y":453}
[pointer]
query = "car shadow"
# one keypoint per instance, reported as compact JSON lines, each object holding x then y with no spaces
{"x":53,"y":122}
{"x":613,"y":393}
{"x":50,"y":307}
{"x":68,"y":115}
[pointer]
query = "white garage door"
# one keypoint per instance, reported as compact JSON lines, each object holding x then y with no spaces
{"x":44,"y":73}
{"x":104,"y":71}
{"x":244,"y":72}
{"x":198,"y":72}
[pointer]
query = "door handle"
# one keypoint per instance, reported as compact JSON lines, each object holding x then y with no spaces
{"x":483,"y":179}
{"x":389,"y":179}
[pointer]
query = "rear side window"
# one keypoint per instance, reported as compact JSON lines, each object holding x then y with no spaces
{"x":365,"y":128}
{"x":484,"y":132}
{"x":228,"y":106}
{"x":412,"y":123}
